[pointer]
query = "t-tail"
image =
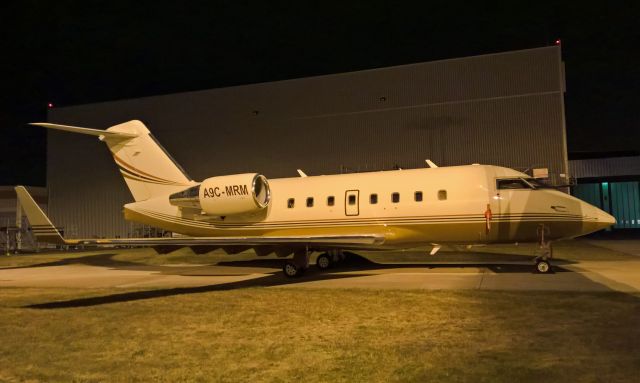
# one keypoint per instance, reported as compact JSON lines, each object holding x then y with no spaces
{"x":146,"y":166}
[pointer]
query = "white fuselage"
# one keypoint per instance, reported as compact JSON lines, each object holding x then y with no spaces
{"x":458,"y":204}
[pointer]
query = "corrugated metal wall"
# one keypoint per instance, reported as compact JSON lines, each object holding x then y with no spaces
{"x":504,"y":109}
{"x":605,"y":167}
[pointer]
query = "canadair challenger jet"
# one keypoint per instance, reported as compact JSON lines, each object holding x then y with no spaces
{"x":474,"y":204}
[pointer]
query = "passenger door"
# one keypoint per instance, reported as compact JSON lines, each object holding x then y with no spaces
{"x":352,"y":202}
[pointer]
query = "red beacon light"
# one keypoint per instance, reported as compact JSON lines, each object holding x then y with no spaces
{"x":558,"y":42}
{"x":50,"y":105}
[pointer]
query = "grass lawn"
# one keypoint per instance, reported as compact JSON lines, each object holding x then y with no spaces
{"x":283,"y":335}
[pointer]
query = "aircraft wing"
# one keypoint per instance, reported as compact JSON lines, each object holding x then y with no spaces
{"x":326,"y":240}
{"x":45,"y":231}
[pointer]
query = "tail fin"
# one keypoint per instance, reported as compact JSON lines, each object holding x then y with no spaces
{"x":147,"y":168}
{"x":40,"y":224}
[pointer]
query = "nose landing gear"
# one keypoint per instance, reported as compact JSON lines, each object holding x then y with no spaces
{"x":543,"y":261}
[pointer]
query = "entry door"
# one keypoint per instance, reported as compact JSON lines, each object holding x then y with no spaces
{"x":352,"y":202}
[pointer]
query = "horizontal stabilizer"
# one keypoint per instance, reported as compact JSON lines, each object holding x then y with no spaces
{"x":89,"y":131}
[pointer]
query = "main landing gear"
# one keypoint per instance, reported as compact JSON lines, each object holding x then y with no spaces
{"x":324,"y":261}
{"x":296,"y":266}
{"x":543,"y":261}
{"x":329,"y":259}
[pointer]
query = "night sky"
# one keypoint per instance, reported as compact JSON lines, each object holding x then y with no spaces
{"x":70,"y":53}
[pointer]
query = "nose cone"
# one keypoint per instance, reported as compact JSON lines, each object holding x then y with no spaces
{"x":595,"y":219}
{"x":605,"y":219}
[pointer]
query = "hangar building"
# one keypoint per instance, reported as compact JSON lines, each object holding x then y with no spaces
{"x":503,"y":109}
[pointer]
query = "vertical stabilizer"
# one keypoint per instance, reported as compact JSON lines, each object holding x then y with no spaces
{"x":147,"y":168}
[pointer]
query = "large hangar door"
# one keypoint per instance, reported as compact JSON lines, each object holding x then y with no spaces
{"x":620,"y":199}
{"x":625,"y":204}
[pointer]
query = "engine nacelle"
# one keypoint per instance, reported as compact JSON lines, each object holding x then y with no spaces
{"x":226,"y":195}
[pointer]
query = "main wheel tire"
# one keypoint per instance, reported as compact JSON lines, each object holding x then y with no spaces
{"x":543,"y":267}
{"x":323,"y":262}
{"x":291,"y":270}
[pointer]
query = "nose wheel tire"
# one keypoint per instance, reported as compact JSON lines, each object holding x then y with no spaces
{"x":543,"y":267}
{"x":323,"y":262}
{"x":291,"y":270}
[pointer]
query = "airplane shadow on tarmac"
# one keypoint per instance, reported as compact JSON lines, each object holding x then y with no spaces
{"x":355,"y":263}
{"x":359,"y":263}
{"x":269,"y":280}
{"x":100,"y":260}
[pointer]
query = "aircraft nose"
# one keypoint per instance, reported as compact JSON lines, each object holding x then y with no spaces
{"x":596,"y":219}
{"x":605,"y":219}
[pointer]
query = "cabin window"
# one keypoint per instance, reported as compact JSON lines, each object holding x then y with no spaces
{"x":291,"y":202}
{"x":395,"y":197}
{"x":373,"y":199}
{"x":331,"y":200}
{"x":513,"y":183}
{"x":309,"y":201}
{"x":418,"y":196}
{"x":442,"y":195}
{"x":352,"y":199}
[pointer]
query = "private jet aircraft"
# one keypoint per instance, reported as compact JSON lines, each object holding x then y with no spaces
{"x":474,"y":204}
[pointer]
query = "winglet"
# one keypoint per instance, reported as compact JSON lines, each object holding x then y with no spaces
{"x":301,"y":173}
{"x":430,"y":163}
{"x":92,"y":132}
{"x":40,"y":224}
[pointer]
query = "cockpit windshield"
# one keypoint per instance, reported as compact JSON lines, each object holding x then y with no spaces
{"x":513,"y":183}
{"x":521,"y":183}
{"x":537,"y":184}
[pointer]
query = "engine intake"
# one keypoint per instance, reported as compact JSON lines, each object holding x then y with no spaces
{"x":226,"y":195}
